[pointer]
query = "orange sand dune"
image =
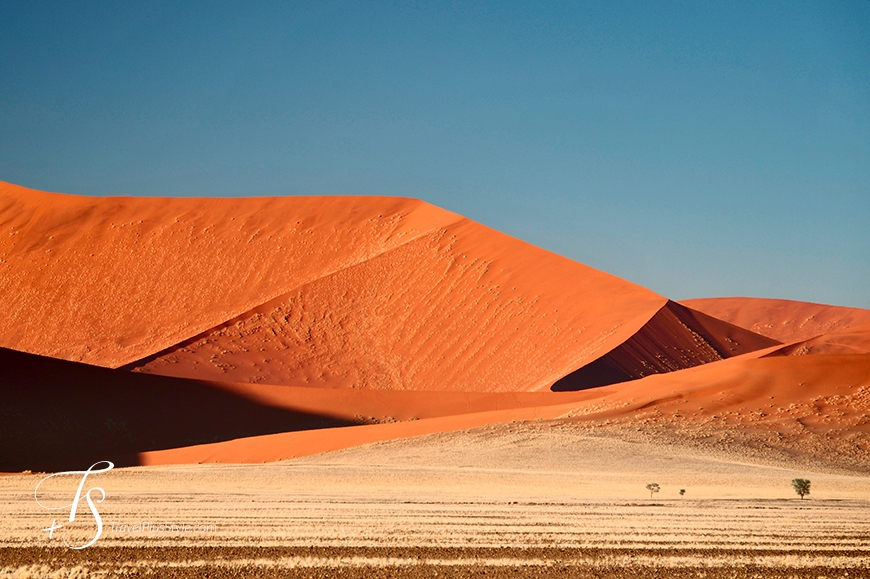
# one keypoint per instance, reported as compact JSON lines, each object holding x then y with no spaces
{"x":853,"y":340}
{"x":783,"y":320}
{"x":374,"y":293}
{"x":58,"y":414}
{"x":824,"y":396}
{"x":412,"y":317}
{"x":357,"y":329}
{"x":747,"y":389}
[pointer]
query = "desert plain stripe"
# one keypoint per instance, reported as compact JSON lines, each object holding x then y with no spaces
{"x":608,"y":561}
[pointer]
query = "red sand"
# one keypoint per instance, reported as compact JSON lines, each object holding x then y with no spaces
{"x":783,"y":320}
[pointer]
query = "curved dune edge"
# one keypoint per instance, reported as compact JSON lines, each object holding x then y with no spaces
{"x":821,"y":401}
{"x":386,"y":406}
{"x":509,"y":317}
{"x":783,"y":320}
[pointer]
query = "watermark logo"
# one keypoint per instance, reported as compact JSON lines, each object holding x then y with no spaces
{"x":74,"y":505}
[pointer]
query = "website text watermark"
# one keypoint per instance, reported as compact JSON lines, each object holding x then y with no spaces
{"x":149,"y":527}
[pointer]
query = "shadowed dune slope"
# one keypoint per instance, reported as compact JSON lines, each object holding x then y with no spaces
{"x":783,"y":320}
{"x":810,"y":404}
{"x":675,"y":338}
{"x":58,"y":414}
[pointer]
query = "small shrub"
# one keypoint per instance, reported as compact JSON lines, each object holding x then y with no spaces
{"x":801,"y":486}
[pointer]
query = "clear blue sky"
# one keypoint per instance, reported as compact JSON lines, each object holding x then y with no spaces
{"x":697,"y":148}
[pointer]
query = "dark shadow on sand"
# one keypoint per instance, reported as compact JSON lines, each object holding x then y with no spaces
{"x":60,"y":415}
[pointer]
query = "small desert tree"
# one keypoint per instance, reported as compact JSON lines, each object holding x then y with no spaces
{"x":682,"y":492}
{"x":653,"y":488}
{"x":801,"y":486}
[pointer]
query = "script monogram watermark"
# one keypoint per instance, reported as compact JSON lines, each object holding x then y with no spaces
{"x":74,"y":505}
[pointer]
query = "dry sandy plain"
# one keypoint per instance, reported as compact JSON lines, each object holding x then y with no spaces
{"x":534,"y":499}
{"x":376,"y":387}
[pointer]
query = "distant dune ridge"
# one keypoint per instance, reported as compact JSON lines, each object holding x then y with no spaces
{"x":852,"y":340}
{"x":783,"y":320}
{"x":333,"y":321}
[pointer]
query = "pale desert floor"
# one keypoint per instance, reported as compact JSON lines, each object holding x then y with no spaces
{"x":543,"y":499}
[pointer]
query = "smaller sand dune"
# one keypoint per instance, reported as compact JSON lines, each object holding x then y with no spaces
{"x":783,"y":320}
{"x":810,"y":408}
{"x":852,"y":340}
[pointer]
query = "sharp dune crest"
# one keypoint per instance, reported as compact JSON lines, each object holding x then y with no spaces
{"x":430,"y":315}
{"x":674,"y":339}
